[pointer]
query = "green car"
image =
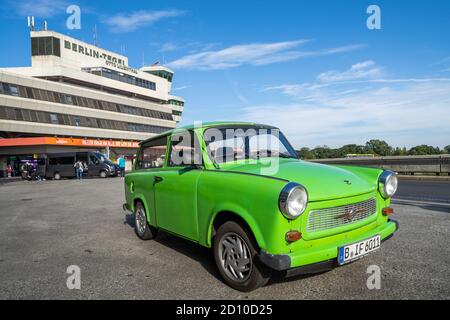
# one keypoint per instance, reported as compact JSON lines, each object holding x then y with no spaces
{"x":240,"y":189}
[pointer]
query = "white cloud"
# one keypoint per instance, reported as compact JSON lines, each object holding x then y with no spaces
{"x":361,"y":70}
{"x":168,"y":46}
{"x":252,"y":54}
{"x":404,"y":112}
{"x":190,"y":46}
{"x":242,"y":98}
{"x":40,"y":8}
{"x":181,"y":88}
{"x":132,"y":21}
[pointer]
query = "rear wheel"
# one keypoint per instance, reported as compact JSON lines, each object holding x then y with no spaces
{"x":103,"y":174}
{"x":236,"y":258}
{"x":56,"y":176}
{"x":143,"y":230}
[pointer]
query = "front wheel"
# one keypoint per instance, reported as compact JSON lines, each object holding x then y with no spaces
{"x":143,"y":230}
{"x":236,"y":258}
{"x":103,"y":174}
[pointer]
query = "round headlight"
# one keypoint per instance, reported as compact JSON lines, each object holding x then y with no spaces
{"x":293,"y":200}
{"x":388,"y":183}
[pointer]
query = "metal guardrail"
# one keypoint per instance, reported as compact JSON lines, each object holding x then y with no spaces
{"x":434,"y":164}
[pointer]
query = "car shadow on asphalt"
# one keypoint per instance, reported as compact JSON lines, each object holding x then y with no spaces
{"x":205,"y":257}
{"x":187,"y":248}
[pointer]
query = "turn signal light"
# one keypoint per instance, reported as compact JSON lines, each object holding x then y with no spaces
{"x":388,"y":211}
{"x":293,"y":236}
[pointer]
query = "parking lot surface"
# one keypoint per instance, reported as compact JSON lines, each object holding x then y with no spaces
{"x":47,"y":226}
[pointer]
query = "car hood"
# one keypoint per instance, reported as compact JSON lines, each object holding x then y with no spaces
{"x":323,"y":182}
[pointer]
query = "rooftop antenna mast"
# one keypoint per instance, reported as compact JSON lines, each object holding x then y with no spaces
{"x":31,"y":23}
{"x":95,"y":35}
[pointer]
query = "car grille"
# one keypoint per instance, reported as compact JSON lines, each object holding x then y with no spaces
{"x":329,"y":218}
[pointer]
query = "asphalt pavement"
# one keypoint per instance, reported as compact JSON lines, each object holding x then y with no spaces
{"x":45,"y":227}
{"x":424,"y":190}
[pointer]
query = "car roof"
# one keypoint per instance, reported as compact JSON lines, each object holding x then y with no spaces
{"x":207,"y":125}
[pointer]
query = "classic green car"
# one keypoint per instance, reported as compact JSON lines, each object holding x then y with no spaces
{"x":241,"y":189}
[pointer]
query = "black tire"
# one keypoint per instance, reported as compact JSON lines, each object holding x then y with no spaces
{"x":143,"y":230}
{"x":257,"y":274}
{"x":56,"y":176}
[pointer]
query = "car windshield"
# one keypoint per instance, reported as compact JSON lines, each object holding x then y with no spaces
{"x":237,"y":143}
{"x":103,"y":158}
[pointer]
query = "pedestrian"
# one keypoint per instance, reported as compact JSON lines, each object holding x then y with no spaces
{"x":9,"y":171}
{"x":79,"y":170}
{"x":121,"y":162}
{"x":30,"y":170}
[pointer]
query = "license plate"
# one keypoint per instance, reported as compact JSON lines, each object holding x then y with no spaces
{"x":358,"y":250}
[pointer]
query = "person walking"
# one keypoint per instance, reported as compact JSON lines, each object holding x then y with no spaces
{"x":79,"y":170}
{"x":121,"y":162}
{"x":9,"y":171}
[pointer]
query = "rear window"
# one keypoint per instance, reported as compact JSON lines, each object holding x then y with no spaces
{"x":152,"y":154}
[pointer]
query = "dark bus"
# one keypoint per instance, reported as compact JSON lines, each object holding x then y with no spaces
{"x":61,"y":165}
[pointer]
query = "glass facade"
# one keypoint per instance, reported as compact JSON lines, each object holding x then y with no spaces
{"x":162,"y":74}
{"x":122,"y":77}
{"x":51,"y":96}
{"x":45,"y":46}
{"x":176,"y":102}
{"x":18,"y":114}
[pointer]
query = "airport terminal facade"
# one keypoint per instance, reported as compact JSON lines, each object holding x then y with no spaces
{"x":78,"y":97}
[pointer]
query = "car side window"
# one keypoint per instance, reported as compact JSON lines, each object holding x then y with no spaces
{"x":153,"y":154}
{"x":185,"y":150}
{"x":94,"y":159}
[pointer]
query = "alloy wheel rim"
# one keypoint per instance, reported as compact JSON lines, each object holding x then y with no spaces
{"x":140,"y":221}
{"x":235,"y":257}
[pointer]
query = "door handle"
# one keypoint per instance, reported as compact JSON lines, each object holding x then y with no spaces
{"x":157,"y":179}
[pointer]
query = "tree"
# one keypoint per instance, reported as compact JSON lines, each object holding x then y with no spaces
{"x":378,"y":147}
{"x":324,"y":152}
{"x":424,"y":150}
{"x":350,"y":149}
{"x":446,"y":149}
{"x":400,"y":151}
{"x":306,"y":153}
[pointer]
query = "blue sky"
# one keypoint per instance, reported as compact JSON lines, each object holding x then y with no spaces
{"x":313,"y":68}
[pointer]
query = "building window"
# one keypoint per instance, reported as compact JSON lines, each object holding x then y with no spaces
{"x":122,"y":77}
{"x":45,"y":46}
{"x":54,"y":118}
{"x":10,"y":89}
{"x":51,"y":96}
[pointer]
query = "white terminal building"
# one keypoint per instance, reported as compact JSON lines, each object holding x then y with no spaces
{"x":77,"y":96}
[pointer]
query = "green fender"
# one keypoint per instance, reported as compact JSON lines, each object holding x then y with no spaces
{"x":140,"y":197}
{"x":241,"y":212}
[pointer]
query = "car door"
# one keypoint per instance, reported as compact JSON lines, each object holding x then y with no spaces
{"x":94,"y":165}
{"x":176,"y":187}
{"x":148,"y":169}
